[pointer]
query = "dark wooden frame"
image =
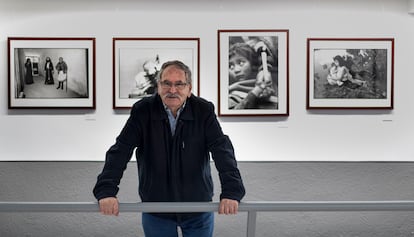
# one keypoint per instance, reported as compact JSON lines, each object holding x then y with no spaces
{"x":340,"y":103}
{"x":51,"y":43}
{"x":283,"y":49}
{"x":126,"y":103}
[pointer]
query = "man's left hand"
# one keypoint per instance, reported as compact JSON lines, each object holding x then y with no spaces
{"x":228,"y":206}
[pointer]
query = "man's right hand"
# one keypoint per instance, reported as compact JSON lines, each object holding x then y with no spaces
{"x":109,"y":206}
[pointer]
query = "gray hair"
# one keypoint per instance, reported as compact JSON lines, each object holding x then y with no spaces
{"x":179,"y":65}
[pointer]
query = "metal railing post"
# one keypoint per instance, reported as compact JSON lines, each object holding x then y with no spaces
{"x":251,"y":223}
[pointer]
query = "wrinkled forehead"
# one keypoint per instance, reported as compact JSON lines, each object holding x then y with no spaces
{"x":173,"y":71}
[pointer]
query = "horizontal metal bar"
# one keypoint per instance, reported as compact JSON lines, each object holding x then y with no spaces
{"x":288,"y":206}
{"x":329,"y":206}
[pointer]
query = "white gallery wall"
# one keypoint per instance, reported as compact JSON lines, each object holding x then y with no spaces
{"x":304,"y":135}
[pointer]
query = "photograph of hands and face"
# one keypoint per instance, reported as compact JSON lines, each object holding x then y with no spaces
{"x":51,"y":73}
{"x":253,"y":72}
{"x":145,"y":80}
{"x":350,"y":73}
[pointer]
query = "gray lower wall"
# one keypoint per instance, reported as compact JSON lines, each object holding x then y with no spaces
{"x":274,"y":181}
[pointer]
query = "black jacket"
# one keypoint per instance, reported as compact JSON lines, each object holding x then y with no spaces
{"x":172,"y":168}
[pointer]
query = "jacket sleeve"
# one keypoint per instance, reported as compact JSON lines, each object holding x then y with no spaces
{"x":117,"y":158}
{"x":222,"y":152}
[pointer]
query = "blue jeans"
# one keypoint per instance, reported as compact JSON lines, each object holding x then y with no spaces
{"x":199,"y":226}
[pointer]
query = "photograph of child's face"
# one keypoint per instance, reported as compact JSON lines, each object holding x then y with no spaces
{"x":251,"y":65}
{"x":239,"y":68}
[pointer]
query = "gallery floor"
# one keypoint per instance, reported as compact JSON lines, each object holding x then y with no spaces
{"x":264,"y":181}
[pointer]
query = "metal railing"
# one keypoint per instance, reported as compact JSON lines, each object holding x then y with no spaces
{"x":250,"y":207}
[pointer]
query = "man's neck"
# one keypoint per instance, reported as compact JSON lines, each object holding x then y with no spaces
{"x":175,"y":110}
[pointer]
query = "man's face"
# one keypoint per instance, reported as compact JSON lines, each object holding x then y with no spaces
{"x":173,"y":96}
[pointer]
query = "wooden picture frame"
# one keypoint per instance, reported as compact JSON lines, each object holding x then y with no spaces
{"x":132,"y":58}
{"x":350,"y":73}
{"x":244,"y":56}
{"x":66,"y":81}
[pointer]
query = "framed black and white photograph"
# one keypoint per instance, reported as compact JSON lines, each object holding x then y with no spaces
{"x":354,"y":73}
{"x":51,"y":73}
{"x":137,"y":61}
{"x":253,"y":72}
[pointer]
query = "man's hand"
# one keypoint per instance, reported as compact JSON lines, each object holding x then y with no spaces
{"x":109,"y":206}
{"x":228,"y":206}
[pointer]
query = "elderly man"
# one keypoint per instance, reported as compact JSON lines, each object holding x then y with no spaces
{"x":174,"y":133}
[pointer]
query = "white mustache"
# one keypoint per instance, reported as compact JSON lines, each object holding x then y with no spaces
{"x":169,"y":95}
